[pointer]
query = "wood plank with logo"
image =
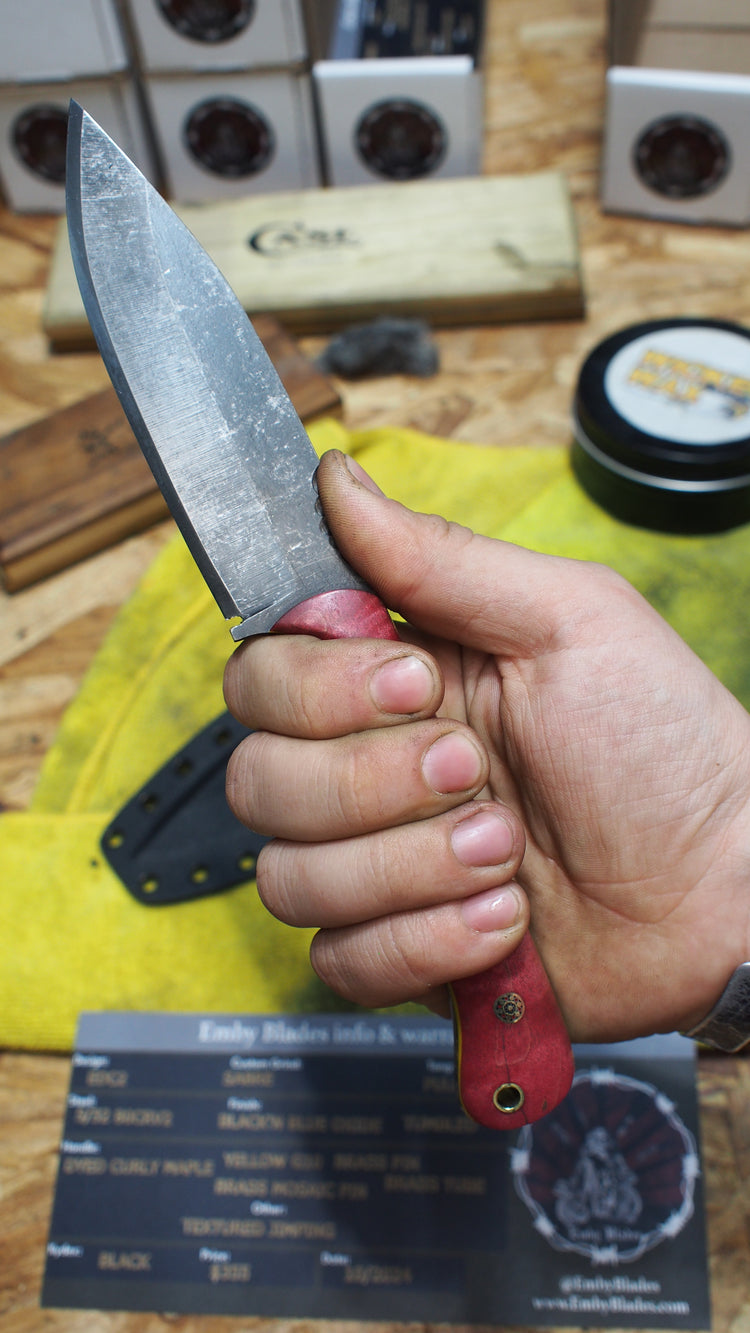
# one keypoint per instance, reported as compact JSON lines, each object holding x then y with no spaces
{"x":499,"y":249}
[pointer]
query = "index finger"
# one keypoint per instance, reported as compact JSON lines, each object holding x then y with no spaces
{"x":295,"y":685}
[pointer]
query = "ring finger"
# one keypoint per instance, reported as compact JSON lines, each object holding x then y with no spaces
{"x":453,"y":856}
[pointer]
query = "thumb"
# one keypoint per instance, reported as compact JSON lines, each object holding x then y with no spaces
{"x":441,"y":576}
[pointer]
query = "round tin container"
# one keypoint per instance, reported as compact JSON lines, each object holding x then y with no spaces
{"x":662,"y":425}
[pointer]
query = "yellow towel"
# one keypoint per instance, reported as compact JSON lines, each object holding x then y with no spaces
{"x":74,"y":938}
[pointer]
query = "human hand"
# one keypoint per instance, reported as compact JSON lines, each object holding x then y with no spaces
{"x":541,"y":737}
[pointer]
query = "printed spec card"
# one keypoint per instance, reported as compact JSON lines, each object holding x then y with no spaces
{"x":321,"y":1167}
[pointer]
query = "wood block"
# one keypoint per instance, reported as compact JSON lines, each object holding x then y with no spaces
{"x":486,"y":250}
{"x":77,"y":482}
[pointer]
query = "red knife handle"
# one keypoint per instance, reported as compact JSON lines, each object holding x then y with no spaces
{"x":513,"y":1053}
{"x":514,"y":1060}
{"x":347,"y":614}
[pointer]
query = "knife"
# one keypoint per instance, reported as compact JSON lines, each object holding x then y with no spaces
{"x":237,"y":471}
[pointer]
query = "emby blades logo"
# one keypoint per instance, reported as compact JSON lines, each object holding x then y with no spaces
{"x":611,"y":1173}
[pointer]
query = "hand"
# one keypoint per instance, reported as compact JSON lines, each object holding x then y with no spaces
{"x":540,"y":739}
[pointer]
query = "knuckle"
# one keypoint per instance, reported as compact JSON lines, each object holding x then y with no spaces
{"x":359,"y":789}
{"x":408,"y":955}
{"x":275,"y":885}
{"x":332,"y":964}
{"x":303,"y":704}
{"x":383,"y":962}
{"x":241,"y":674}
{"x":235,"y":782}
{"x":244,"y":782}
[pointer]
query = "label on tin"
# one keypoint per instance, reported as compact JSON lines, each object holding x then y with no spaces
{"x":690,"y":385}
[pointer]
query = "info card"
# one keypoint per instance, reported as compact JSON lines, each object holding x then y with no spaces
{"x":320,"y":1166}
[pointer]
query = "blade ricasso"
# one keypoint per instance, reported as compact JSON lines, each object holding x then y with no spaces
{"x":263,"y":620}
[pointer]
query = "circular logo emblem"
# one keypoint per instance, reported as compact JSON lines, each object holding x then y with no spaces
{"x":682,"y":157}
{"x":39,"y":136}
{"x":229,"y":138}
{"x":208,"y":20}
{"x":401,"y":139}
{"x":611,"y":1172}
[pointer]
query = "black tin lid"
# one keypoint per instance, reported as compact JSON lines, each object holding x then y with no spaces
{"x":662,"y":425}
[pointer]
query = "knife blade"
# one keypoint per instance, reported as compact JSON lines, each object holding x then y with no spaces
{"x":237,"y":470}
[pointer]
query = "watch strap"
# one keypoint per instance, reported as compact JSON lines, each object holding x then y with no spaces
{"x":727,"y":1027}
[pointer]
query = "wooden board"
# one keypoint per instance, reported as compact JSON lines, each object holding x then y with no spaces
{"x":491,"y":249}
{"x":76,"y":481}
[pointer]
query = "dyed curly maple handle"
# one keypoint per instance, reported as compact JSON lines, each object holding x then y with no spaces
{"x":514,"y":1060}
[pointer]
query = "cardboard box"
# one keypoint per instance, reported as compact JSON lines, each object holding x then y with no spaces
{"x":251,"y":34}
{"x":676,"y":143}
{"x":708,"y":50}
{"x":226,"y":135}
{"x":697,"y":13}
{"x":33,"y":131}
{"x":629,"y":20}
{"x":399,"y":119}
{"x":399,"y":90}
{"x":677,"y":146}
{"x":42,"y":40}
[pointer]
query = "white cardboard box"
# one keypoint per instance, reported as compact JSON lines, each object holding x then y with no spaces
{"x":221,"y":136}
{"x":42,"y":40}
{"x":398,"y":88}
{"x":399,"y":119}
{"x":677,"y":145}
{"x":677,"y":124}
{"x":33,"y":126}
{"x":249,"y":35}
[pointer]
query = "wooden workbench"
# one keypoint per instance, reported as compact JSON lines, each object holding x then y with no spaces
{"x":497,"y":386}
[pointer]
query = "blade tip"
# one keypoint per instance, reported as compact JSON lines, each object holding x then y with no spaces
{"x":76,"y":114}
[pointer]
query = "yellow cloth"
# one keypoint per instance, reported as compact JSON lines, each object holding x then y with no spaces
{"x":74,"y":939}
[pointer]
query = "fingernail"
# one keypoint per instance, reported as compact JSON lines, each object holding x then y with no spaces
{"x":403,"y":685}
{"x":484,"y":839}
{"x":452,"y":763}
{"x":495,"y":909}
{"x":359,"y":474}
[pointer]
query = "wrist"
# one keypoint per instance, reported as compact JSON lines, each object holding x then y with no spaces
{"x":722,"y":1019}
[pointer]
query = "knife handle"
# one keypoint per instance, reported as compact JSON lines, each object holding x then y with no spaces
{"x":513,"y":1054}
{"x":349,"y":613}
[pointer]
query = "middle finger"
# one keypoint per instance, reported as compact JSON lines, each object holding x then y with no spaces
{"x":311,"y":791}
